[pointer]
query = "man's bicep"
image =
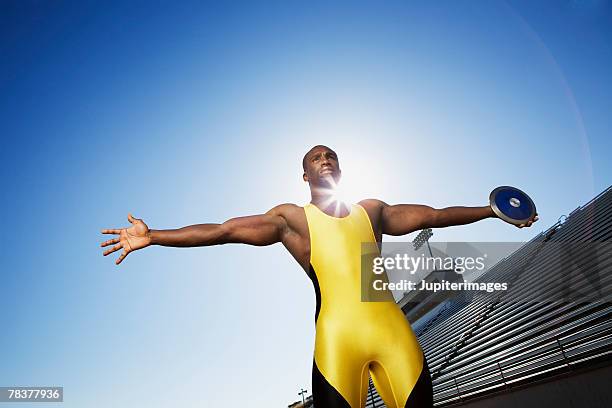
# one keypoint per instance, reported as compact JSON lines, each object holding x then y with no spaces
{"x":403,"y":219}
{"x":260,"y":230}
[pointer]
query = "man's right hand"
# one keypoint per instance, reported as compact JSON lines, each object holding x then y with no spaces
{"x":130,"y":239}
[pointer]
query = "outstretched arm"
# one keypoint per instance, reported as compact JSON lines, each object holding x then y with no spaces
{"x":403,"y":219}
{"x":264,"y":229}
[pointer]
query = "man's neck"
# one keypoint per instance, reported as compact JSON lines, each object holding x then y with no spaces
{"x":329,"y":205}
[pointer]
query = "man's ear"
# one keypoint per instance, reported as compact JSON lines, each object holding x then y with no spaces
{"x":305,"y":177}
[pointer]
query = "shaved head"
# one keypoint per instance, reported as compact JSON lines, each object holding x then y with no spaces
{"x":321,"y":167}
{"x":310,"y":151}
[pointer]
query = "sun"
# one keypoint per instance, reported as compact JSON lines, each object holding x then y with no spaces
{"x":360,"y":180}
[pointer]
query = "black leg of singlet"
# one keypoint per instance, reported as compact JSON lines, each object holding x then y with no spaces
{"x":323,"y":394}
{"x":422,"y":393}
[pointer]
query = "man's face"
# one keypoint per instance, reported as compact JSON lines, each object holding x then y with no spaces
{"x":321,"y":167}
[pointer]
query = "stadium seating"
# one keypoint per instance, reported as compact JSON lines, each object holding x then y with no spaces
{"x":555,"y":318}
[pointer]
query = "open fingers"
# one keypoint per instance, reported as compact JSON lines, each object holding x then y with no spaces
{"x":111,"y":231}
{"x":113,"y":249}
{"x":122,"y":256}
{"x":110,"y":242}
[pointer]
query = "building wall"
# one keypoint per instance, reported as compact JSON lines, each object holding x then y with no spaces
{"x":589,"y":389}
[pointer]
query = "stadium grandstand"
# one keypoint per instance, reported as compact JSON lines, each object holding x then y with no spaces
{"x":546,"y":341}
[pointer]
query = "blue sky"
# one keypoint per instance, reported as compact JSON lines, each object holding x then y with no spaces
{"x":192,"y":113}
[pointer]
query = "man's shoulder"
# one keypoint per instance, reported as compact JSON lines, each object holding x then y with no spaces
{"x":286,"y":207}
{"x":287,"y":210}
{"x":371,"y":204}
{"x":374,"y":209}
{"x":293,"y":214}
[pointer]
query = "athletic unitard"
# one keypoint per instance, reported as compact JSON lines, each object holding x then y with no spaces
{"x":355,"y":339}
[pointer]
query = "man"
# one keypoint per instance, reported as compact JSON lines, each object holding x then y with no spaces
{"x":354,"y":339}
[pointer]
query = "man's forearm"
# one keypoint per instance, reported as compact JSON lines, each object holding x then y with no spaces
{"x":190,"y":236}
{"x":450,"y":216}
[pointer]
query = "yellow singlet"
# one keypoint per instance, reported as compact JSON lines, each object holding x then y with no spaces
{"x":356,"y":339}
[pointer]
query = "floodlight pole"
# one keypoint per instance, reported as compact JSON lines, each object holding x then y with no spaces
{"x":429,"y":247}
{"x":302,"y":392}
